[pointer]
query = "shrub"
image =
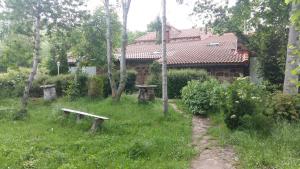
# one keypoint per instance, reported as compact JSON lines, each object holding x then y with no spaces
{"x":177,"y":79}
{"x":12,"y":82}
{"x":130,"y":83}
{"x":284,"y":106}
{"x":96,"y":86}
{"x":36,"y":90}
{"x":72,"y":91}
{"x":61,"y":82}
{"x":243,"y":98}
{"x":82,"y":84}
{"x":203,"y":97}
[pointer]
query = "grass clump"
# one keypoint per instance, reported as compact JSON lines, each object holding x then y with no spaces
{"x":279,"y":148}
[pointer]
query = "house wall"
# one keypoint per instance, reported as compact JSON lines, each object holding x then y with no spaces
{"x":221,"y":72}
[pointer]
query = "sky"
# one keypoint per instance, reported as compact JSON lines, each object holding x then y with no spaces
{"x":142,"y":12}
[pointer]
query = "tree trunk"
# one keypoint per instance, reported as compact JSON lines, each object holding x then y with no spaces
{"x":36,"y":60}
{"x":291,"y":80}
{"x":164,"y":64}
{"x":123,"y":74}
{"x":109,"y":50}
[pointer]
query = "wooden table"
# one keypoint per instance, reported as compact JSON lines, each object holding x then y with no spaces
{"x":146,"y":93}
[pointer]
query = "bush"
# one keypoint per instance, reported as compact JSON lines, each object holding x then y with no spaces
{"x":72,"y":91}
{"x":203,"y":97}
{"x":36,"y":90}
{"x":61,"y":82}
{"x":12,"y":82}
{"x":96,"y":86}
{"x":82,"y":84}
{"x":244,"y":98}
{"x":284,"y":106}
{"x":177,"y":79}
{"x":130,"y":83}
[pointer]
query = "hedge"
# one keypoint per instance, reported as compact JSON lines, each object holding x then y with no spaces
{"x":130,"y":83}
{"x":12,"y":84}
{"x":177,"y":79}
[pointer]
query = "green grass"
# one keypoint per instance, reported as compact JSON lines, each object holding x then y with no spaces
{"x":136,"y":136}
{"x":280,"y":149}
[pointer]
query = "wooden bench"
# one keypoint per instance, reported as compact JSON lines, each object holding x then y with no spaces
{"x":97,"y":122}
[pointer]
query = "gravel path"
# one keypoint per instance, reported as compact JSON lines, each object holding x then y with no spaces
{"x":211,"y":156}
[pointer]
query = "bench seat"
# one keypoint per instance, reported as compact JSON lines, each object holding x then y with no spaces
{"x":97,"y":122}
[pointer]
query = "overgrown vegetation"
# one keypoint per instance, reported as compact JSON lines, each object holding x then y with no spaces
{"x":278,"y":148}
{"x":136,"y":135}
{"x":244,"y":100}
{"x":12,"y":84}
{"x":205,"y":97}
{"x":262,"y":126}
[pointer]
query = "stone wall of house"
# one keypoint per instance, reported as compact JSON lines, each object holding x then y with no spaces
{"x":226,"y":73}
{"x":223,"y":73}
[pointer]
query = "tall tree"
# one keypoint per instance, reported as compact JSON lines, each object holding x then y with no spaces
{"x":156,"y":26}
{"x":164,"y":63}
{"x":260,"y":26}
{"x":117,"y":91}
{"x":292,"y":60}
{"x":40,"y":13}
{"x":112,"y":81}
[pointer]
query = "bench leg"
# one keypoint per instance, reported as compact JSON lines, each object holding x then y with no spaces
{"x":66,"y":113}
{"x":96,"y":123}
{"x":79,"y":117}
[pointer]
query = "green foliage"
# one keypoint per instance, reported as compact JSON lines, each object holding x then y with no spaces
{"x":284,"y":106}
{"x":243,"y":98}
{"x":59,"y":49}
{"x":130,"y":82}
{"x":72,"y":91}
{"x":16,"y":51}
{"x":267,"y":28}
{"x":205,"y":97}
{"x":89,"y":39}
{"x":136,"y":135}
{"x":278,"y":148}
{"x":132,"y":36}
{"x":177,"y":79}
{"x":12,"y":83}
{"x":82,"y":80}
{"x":155,"y":69}
{"x":96,"y":86}
{"x":156,"y":26}
{"x":61,"y":82}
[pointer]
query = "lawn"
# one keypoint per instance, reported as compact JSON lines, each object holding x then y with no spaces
{"x":136,"y":136}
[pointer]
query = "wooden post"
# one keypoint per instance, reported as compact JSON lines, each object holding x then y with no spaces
{"x":96,"y":124}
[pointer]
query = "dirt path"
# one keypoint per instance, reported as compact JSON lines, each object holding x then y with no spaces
{"x":211,"y":155}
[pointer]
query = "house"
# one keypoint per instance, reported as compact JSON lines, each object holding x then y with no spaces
{"x":221,"y":56}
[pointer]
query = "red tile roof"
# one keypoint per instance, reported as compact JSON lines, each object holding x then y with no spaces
{"x":212,"y":49}
{"x":174,"y":35}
